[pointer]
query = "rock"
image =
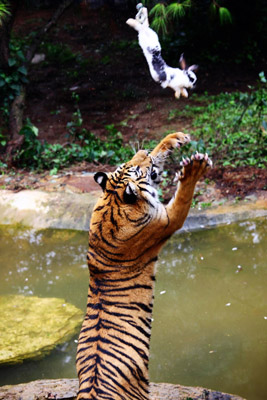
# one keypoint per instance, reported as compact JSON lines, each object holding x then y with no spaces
{"x":41,"y":210}
{"x":31,"y":326}
{"x":38,"y":58}
{"x":63,"y":389}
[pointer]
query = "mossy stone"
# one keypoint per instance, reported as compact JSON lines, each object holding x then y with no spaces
{"x":30,"y":327}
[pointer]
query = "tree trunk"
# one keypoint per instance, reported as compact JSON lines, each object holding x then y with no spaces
{"x":18,"y":105}
{"x":16,"y":113}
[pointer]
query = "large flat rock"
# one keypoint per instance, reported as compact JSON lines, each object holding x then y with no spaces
{"x":27,"y":333}
{"x":42,"y":210}
{"x":63,"y":389}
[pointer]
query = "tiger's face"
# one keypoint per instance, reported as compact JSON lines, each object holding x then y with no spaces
{"x":134,"y":182}
{"x":140,"y":177}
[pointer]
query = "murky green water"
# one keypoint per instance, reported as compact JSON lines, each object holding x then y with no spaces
{"x":210,"y":314}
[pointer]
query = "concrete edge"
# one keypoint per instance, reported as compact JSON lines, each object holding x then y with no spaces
{"x":59,"y":210}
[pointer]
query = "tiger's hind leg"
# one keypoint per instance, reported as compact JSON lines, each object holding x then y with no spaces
{"x":192,"y":170}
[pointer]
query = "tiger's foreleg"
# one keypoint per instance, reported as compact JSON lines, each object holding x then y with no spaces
{"x":169,"y":143}
{"x":179,"y":205}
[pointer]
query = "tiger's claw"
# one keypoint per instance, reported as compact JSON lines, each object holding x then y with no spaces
{"x":195,"y":166}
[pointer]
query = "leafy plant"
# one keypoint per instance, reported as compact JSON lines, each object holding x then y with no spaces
{"x":233,"y":127}
{"x":164,"y":14}
{"x":74,"y":126}
{"x":4,"y":11}
{"x":178,"y":9}
{"x":2,"y":166}
{"x":3,"y":139}
{"x":37,"y":155}
{"x":11,"y":80}
{"x":159,"y":22}
{"x":31,"y":149}
{"x":58,"y":52}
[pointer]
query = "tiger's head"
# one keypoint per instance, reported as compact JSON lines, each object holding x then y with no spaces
{"x":138,"y":179}
{"x":130,"y":199}
{"x":133,"y":181}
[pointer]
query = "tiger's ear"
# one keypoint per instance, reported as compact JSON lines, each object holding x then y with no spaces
{"x":101,"y":178}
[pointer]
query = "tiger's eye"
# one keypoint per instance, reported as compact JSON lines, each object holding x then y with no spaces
{"x":153,"y":175}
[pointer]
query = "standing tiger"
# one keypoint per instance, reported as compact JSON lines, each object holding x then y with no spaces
{"x":129,"y":225}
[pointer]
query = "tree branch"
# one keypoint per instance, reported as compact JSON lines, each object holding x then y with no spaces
{"x":17,"y":107}
{"x":39,"y":37}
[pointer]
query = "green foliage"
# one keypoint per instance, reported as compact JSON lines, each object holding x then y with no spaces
{"x":3,"y":139}
{"x":178,"y":10}
{"x":159,"y":22}
{"x":164,"y":14}
{"x":2,"y":166}
{"x":212,"y":30}
{"x":4,"y":11}
{"x":159,"y":10}
{"x":32,"y":147}
{"x":58,"y":53}
{"x":232,"y":128}
{"x":11,"y":80}
{"x":36,"y":155}
{"x":225,"y":16}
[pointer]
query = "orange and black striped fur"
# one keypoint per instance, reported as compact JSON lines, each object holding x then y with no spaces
{"x":129,"y":225}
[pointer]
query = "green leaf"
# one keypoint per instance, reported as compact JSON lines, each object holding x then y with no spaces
{"x":4,"y":11}
{"x":35,"y":130}
{"x":225,"y":16}
{"x":177,"y":10}
{"x":159,"y":24}
{"x":15,"y":87}
{"x":11,"y":62}
{"x":20,"y":55}
{"x":22,"y":70}
{"x":262,"y":77}
{"x":159,"y":10}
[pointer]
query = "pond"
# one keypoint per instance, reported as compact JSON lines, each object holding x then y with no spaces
{"x":210,"y":314}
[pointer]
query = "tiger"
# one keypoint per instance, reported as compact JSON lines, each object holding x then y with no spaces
{"x":128,"y":227}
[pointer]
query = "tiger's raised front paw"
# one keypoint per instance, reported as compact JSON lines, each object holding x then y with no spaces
{"x":193,"y":168}
{"x":170,"y":142}
{"x":180,"y":137}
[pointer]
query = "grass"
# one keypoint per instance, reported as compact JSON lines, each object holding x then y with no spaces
{"x":230,"y":127}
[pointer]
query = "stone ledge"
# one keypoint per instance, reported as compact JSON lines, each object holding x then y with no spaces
{"x":59,"y":210}
{"x":66,"y":389}
{"x":41,"y":210}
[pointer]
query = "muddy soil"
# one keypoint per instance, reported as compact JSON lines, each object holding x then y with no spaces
{"x":114,"y":87}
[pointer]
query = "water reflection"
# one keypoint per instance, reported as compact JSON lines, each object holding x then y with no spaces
{"x":210,"y":318}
